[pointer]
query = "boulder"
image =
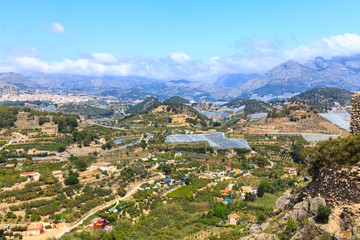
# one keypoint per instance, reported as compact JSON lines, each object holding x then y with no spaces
{"x":308,"y":207}
{"x":254,"y":228}
{"x":282,"y":201}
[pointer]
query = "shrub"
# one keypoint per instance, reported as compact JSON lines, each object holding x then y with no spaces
{"x":323,"y":214}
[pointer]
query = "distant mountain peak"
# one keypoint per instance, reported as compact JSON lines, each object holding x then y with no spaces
{"x":180,"y":81}
{"x":235,"y":79}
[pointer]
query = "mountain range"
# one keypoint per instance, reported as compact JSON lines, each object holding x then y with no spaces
{"x":287,"y":78}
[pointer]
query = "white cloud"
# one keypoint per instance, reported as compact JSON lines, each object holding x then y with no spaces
{"x":257,"y":55}
{"x":55,"y":27}
{"x":105,"y":58}
{"x":179,"y":57}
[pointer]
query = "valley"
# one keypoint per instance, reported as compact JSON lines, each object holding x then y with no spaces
{"x":65,"y":170}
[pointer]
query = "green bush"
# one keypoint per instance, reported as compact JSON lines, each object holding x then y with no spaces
{"x":323,"y":214}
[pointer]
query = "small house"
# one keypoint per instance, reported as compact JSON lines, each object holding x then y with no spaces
{"x":290,"y":170}
{"x":103,"y":166}
{"x":101,"y":223}
{"x":246,"y":189}
{"x":32,"y":175}
{"x":34,"y":229}
{"x":233,"y":218}
{"x":225,"y":192}
{"x":178,"y":154}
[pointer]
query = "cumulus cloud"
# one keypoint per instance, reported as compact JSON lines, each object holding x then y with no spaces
{"x":104,"y":58}
{"x":179,"y":57}
{"x":56,"y":27}
{"x":256,"y":55}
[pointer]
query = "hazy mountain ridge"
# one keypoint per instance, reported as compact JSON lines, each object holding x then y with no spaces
{"x":235,"y":79}
{"x":6,"y":88}
{"x":288,"y":77}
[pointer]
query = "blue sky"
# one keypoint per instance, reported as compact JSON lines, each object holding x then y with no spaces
{"x":172,"y":39}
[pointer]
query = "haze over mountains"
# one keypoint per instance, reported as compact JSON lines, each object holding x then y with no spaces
{"x":287,"y":78}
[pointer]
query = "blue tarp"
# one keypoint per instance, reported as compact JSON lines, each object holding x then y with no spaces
{"x":166,"y":180}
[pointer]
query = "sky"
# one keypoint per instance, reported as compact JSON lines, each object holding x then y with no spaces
{"x":172,"y":39}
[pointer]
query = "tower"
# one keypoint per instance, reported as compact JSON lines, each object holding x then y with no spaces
{"x":355,"y":114}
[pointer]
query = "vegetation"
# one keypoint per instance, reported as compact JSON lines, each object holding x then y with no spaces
{"x":8,"y":116}
{"x":251,"y":105}
{"x":323,"y":214}
{"x":324,"y":97}
{"x":86,"y":110}
{"x":177,"y":99}
{"x":333,"y":153}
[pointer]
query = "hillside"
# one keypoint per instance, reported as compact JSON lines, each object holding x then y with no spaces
{"x":324,"y":97}
{"x":144,"y":105}
{"x":235,"y":79}
{"x":6,"y":88}
{"x":251,"y":105}
{"x":86,"y":110}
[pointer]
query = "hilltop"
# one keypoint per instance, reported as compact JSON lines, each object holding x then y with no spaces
{"x":324,"y":97}
{"x":251,"y":105}
{"x":144,"y":105}
{"x":177,"y":99}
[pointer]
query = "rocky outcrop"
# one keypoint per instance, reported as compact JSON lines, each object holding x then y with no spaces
{"x":308,"y":207}
{"x":336,"y":188}
{"x":282,"y":201}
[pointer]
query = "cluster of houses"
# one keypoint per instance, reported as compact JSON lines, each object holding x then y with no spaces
{"x":221,"y":174}
{"x":233,"y":218}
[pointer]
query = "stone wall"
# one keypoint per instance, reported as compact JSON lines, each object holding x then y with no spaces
{"x":337,"y":186}
{"x":355,"y":114}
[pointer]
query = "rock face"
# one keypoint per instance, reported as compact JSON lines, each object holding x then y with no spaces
{"x":306,"y":208}
{"x":355,"y":114}
{"x":282,"y":201}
